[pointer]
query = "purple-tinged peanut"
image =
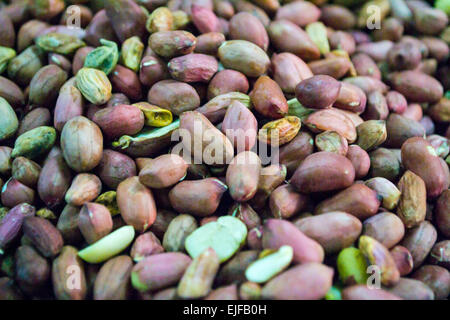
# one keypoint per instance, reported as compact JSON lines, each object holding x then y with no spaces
{"x":435,"y":277}
{"x":119,"y":120}
{"x":363,"y":292}
{"x":285,"y":202}
{"x":69,"y":104}
{"x":245,"y":26}
{"x":204,"y":19}
{"x":365,"y":66}
{"x":419,"y":240}
{"x":44,"y":236}
{"x":114,"y":167}
{"x":323,"y":171}
{"x":317,"y":92}
{"x":360,"y":160}
{"x":209,"y":43}
{"x":292,"y":284}
{"x":197,"y":197}
{"x":85,"y":187}
{"x":417,"y":86}
{"x":351,"y":98}
{"x":335,"y":67}
{"x":357,"y":200}
{"x":136,"y":203}
{"x":94,"y":221}
{"x":163,"y":171}
{"x":367,"y":84}
{"x":403,"y":56}
{"x":288,"y":37}
{"x":399,"y":129}
{"x":32,"y":270}
{"x":294,"y":152}
{"x":152,"y":70}
{"x":403,"y":259}
{"x":243,"y":175}
{"x":145,"y":245}
{"x":331,"y":120}
{"x":240,"y":122}
{"x":419,"y":156}
{"x":62,"y":266}
{"x":113,"y":279}
{"x":226,"y":81}
{"x":442,"y":213}
{"x":385,"y":227}
{"x":193,"y":67}
{"x":159,"y":271}
{"x":288,"y":70}
{"x":12,"y":222}
{"x":300,"y":13}
{"x":54,"y":180}
{"x":175,"y":96}
{"x":333,"y":230}
{"x":268,"y":99}
{"x":277,"y":233}
{"x":337,"y":17}
{"x":14,"y":193}
{"x":127,"y":18}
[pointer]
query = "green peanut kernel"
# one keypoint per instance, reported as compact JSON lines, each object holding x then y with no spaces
{"x":59,"y":42}
{"x":108,"y":246}
{"x":225,"y":236}
{"x":269,"y":266}
{"x":132,"y":50}
{"x":34,"y":143}
{"x":103,"y":58}
{"x":352,"y":266}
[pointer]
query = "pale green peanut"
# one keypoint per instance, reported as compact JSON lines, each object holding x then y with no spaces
{"x":266,"y":268}
{"x":94,"y":85}
{"x":318,"y":34}
{"x":6,"y":54}
{"x":108,"y":246}
{"x":225,"y":236}
{"x":59,"y":42}
{"x":132,"y":50}
{"x":8,"y":120}
{"x":34,"y":143}
{"x":333,"y":294}
{"x":352,"y":266}
{"x":103,"y":58}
